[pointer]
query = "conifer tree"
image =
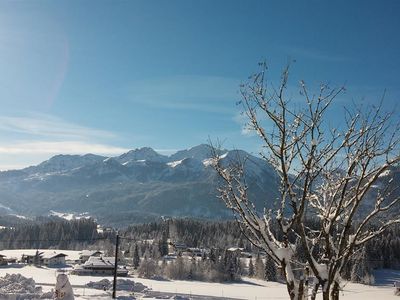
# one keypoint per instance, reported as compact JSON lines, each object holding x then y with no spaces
{"x":251,"y":268}
{"x":147,"y":268}
{"x":136,"y":258}
{"x":270,"y":269}
{"x":213,"y":255}
{"x":361,"y":271}
{"x":163,"y":244}
{"x":259,"y":268}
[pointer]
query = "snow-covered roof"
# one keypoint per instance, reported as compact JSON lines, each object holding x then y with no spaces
{"x":46,"y":254}
{"x":89,"y":252}
{"x":52,"y":255}
{"x":99,"y":262}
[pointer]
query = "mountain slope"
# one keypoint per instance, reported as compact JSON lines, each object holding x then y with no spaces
{"x":139,"y":183}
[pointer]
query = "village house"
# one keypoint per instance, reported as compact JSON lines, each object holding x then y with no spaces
{"x":53,"y":259}
{"x":176,"y":247}
{"x":85,"y":254}
{"x":44,"y":258}
{"x":99,"y":266}
{"x":3,"y":261}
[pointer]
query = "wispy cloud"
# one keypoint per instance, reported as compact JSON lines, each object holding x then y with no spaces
{"x":30,"y":139}
{"x":197,"y":93}
{"x":49,"y":126}
{"x":69,"y":147}
{"x":242,"y":120}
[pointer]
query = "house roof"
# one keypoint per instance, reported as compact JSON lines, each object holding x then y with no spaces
{"x":99,"y":262}
{"x":53,"y":255}
{"x":89,"y":252}
{"x":46,"y":255}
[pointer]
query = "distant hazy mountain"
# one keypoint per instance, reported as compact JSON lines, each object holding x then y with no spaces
{"x":132,"y":187}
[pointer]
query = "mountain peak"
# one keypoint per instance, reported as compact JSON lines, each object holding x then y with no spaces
{"x":144,"y":153}
{"x":64,"y":162}
{"x":199,"y":152}
{"x":140,"y":182}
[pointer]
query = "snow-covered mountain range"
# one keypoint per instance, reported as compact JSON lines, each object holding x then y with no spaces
{"x":135,"y":186}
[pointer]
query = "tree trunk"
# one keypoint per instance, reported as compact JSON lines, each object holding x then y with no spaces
{"x":296,"y":292}
{"x":314,"y":291}
{"x":301,"y":289}
{"x":291,"y":290}
{"x":335,"y":292}
{"x":325,"y":294}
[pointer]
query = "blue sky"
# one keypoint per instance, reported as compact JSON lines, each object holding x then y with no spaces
{"x":108,"y":76}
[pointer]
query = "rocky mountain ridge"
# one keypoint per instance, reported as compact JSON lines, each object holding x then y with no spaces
{"x":136,"y":185}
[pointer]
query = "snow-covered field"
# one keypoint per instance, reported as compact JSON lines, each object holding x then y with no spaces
{"x":249,"y":289}
{"x":70,"y":216}
{"x":259,"y":289}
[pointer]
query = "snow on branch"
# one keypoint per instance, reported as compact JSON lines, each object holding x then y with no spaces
{"x":329,"y":203}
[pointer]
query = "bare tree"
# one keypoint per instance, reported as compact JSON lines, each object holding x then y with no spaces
{"x":326,"y":174}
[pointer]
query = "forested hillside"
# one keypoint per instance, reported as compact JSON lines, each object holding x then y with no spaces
{"x":50,"y":233}
{"x":382,"y":252}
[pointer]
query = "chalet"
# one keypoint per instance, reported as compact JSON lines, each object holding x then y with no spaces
{"x":3,"y":261}
{"x":99,"y":266}
{"x":11,"y":260}
{"x":32,"y":259}
{"x":53,"y":259}
{"x":44,"y":258}
{"x":85,"y":254}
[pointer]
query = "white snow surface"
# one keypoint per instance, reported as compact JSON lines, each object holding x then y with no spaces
{"x":248,"y":289}
{"x":5,"y":207}
{"x":19,"y":216}
{"x":17,"y":284}
{"x":211,"y":161}
{"x":173,"y":164}
{"x":70,"y":216}
{"x":384,"y":173}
